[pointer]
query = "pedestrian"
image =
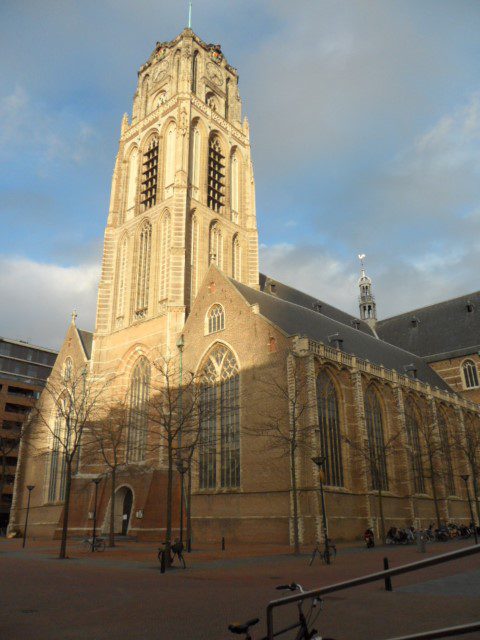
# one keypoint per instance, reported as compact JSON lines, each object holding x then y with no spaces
{"x":177,"y":550}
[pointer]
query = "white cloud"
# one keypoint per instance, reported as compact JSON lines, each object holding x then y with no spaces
{"x":38,"y":299}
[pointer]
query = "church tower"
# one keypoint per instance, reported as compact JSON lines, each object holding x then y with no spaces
{"x":182,"y":194}
{"x":368,"y":307}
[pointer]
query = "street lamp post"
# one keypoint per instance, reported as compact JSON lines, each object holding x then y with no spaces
{"x":30,"y":488}
{"x":96,"y":481}
{"x":319,"y":461}
{"x":465,"y":479}
{"x":180,"y":464}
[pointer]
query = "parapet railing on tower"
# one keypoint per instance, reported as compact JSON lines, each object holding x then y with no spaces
{"x":373,"y":577}
{"x":330,"y":353}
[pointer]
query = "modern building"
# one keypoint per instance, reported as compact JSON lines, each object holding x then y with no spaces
{"x":180,"y":281}
{"x":24,"y":369}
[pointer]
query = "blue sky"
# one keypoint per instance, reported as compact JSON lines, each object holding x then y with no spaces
{"x":365,"y":124}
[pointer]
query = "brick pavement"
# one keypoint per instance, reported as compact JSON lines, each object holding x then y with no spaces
{"x":121,"y":594}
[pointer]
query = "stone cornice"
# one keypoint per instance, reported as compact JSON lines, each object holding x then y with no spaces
{"x":233,"y":131}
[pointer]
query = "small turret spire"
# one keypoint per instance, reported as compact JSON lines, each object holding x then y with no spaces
{"x":367,"y":305}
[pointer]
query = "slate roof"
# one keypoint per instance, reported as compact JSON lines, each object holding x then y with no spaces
{"x":295,"y":319}
{"x":86,"y":338}
{"x":290,"y":294}
{"x":443,"y":330}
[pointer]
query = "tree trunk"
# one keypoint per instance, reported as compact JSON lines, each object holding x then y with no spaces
{"x":111,"y":541}
{"x":188,"y":509}
{"x":434,"y":491}
{"x":296,"y":537}
{"x":66,"y":510}
{"x":168,"y":534}
{"x":382,"y":517}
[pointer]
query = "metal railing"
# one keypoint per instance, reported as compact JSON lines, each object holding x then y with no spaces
{"x":373,"y":577}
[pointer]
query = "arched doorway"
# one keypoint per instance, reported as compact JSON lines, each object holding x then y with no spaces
{"x":123,"y":510}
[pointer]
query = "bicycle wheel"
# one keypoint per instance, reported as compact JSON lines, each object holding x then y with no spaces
{"x":100,"y":545}
{"x":86,"y":545}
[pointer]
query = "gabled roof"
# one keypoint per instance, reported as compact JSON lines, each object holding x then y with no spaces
{"x":86,"y":338}
{"x":290,"y":294}
{"x":443,"y":330}
{"x":296,"y":319}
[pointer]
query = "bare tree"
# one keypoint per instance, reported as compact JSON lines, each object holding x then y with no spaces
{"x":70,"y":401}
{"x":375,"y":454}
{"x":175,"y":412}
{"x":431,"y":455}
{"x":467,"y":443}
{"x":282,"y":422}
{"x":107,"y":437}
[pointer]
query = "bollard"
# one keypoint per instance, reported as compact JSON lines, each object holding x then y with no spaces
{"x":421,"y":542}
{"x":162,"y":562}
{"x":388,"y":580}
{"x":223,"y":543}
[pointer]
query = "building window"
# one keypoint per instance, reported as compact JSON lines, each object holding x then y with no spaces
{"x":193,"y":259}
{"x":194,"y":72}
{"x":376,"y":443}
{"x":220,"y":416}
{"x":448,"y":475}
{"x":236,"y":259}
{"x":122,"y":279}
{"x":132,"y":180}
{"x":413,"y":441}
{"x":150,"y":175}
{"x":67,"y":369}
{"x":216,"y":246}
{"x":196,"y":163}
{"x":216,"y":176}
{"x":170,"y":159}
{"x":216,"y":319}
{"x":138,"y":418}
{"x":211,"y":101}
{"x":227,"y":97}
{"x":234,"y":188}
{"x":60,"y":445}
{"x":164,"y":255}
{"x":329,"y":423}
{"x":143,"y":271}
{"x":470,"y":374}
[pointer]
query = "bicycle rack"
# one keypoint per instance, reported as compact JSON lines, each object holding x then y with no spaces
{"x":372,"y":577}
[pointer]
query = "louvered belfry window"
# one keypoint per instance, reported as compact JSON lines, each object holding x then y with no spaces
{"x":216,"y":176}
{"x":150,"y":175}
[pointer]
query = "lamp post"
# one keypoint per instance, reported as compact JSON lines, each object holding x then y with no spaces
{"x":319,"y":461}
{"x":180,"y":463}
{"x":181,"y":468}
{"x":30,"y":488}
{"x":465,"y":479}
{"x":96,"y":482}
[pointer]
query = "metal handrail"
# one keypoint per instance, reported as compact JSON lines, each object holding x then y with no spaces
{"x":372,"y":577}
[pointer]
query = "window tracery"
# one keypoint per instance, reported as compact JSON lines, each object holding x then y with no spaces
{"x":132,"y":180}
{"x":376,"y":442}
{"x":143,"y":270}
{"x":449,"y":477}
{"x":150,"y":175}
{"x":216,"y":245}
{"x":329,"y":424}
{"x":220,"y":421}
{"x":413,"y":440}
{"x":122,"y":280}
{"x":165,"y":241}
{"x":236,"y":258}
{"x":138,"y":417}
{"x":216,"y":318}
{"x":470,"y":374}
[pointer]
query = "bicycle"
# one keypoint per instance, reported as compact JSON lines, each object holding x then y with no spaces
{"x":304,"y":621}
{"x":322,"y":552}
{"x":90,"y":544}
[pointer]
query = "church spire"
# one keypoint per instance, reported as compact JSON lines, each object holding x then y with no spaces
{"x":368,"y":307}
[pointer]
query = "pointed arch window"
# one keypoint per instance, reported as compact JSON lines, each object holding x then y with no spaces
{"x":132,"y":182}
{"x":219,"y":443}
{"x":145,"y":87}
{"x":122,"y":279}
{"x":236,"y":258}
{"x":150,"y":175}
{"x":194,"y":260}
{"x":138,"y":416}
{"x":165,"y":241}
{"x":194,"y":72}
{"x":143,"y":270}
{"x":216,"y":176}
{"x":170,"y":159}
{"x":234,"y":171}
{"x":227,"y":97}
{"x":60,"y":445}
{"x":413,"y":440}
{"x":329,"y":424}
{"x":196,"y":152}
{"x":470,"y":374}
{"x":67,"y":369}
{"x":215,"y":318}
{"x":376,"y":441}
{"x":216,"y":246}
{"x":449,"y":477}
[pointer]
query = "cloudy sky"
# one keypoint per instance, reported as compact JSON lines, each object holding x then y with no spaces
{"x":365,"y":123}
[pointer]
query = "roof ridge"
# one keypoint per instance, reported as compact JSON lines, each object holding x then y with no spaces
{"x":428,"y":306}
